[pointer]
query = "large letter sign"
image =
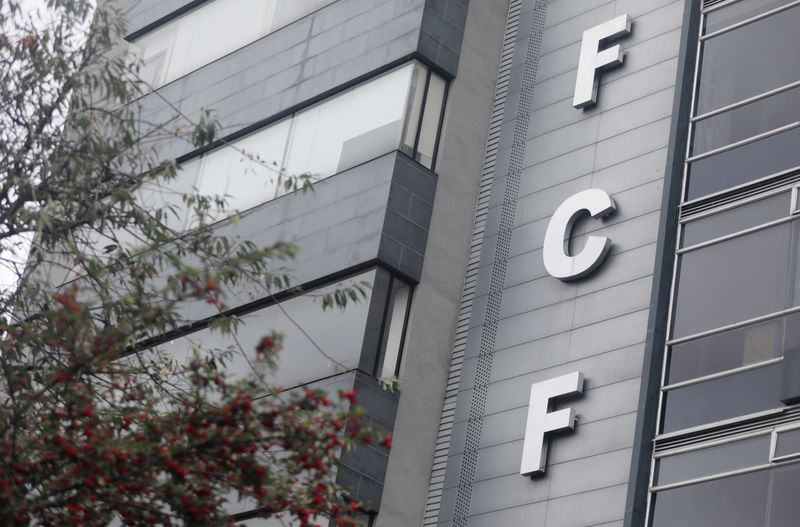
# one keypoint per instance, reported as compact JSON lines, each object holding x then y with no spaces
{"x":556,"y":260}
{"x":593,"y":59}
{"x":542,"y":421}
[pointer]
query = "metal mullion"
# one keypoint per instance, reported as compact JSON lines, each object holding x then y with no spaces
{"x":750,"y":20}
{"x":738,"y":203}
{"x":718,"y":424}
{"x":713,"y":443}
{"x":721,"y":374}
{"x":722,"y":475}
{"x":721,"y":5}
{"x":746,"y":184}
{"x":737,"y":325}
{"x":424,"y":101}
{"x":737,"y":234}
{"x":743,"y":142}
{"x":749,"y":100}
{"x":703,"y":479}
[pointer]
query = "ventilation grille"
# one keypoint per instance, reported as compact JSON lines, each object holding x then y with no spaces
{"x":709,"y":3}
{"x":436,"y":487}
{"x":498,"y":270}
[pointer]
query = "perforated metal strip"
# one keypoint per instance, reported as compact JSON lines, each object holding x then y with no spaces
{"x":498,"y":271}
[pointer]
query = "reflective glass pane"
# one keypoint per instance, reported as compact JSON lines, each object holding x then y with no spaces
{"x":233,"y":23}
{"x":395,"y":325}
{"x":186,"y":42}
{"x":734,"y":280}
{"x":351,"y":128}
{"x":723,"y":398}
{"x":257,"y":161}
{"x":746,"y":121}
{"x":751,"y":60}
{"x":733,"y":220}
{"x":713,"y":460}
{"x":339,"y":333}
{"x":788,"y":443}
{"x":739,"y":501}
{"x":745,"y":163}
{"x":784,"y":507}
{"x":286,"y":12}
{"x":733,"y":349}
{"x":429,"y":131}
{"x":739,"y":11}
{"x":415,"y":96}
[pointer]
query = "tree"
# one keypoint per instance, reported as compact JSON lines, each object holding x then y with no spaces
{"x":98,"y":425}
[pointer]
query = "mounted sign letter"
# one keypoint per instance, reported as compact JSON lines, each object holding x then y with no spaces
{"x":556,"y":260}
{"x":541,"y":421}
{"x":593,"y":59}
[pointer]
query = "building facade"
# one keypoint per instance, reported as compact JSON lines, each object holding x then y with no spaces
{"x":576,"y":221}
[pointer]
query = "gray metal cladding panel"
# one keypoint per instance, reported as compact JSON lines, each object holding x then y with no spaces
{"x":347,"y":221}
{"x":542,"y":327}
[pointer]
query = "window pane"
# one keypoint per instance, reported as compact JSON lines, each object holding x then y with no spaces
{"x":732,"y":281}
{"x":395,"y":324}
{"x":339,"y":333}
{"x":183,"y":45}
{"x":416,"y":93}
{"x":351,"y":128}
{"x":746,"y":121}
{"x":718,"y":399}
{"x":256,"y":167}
{"x":739,"y":11}
{"x":788,"y":443}
{"x":750,"y":60}
{"x":713,"y":460}
{"x":739,"y":501}
{"x":287,"y":12}
{"x":752,"y":161}
{"x":784,"y":507}
{"x":733,"y":349}
{"x":733,"y":220}
{"x":430,"y":122}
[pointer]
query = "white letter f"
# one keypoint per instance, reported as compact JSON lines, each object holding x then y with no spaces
{"x":592,"y":59}
{"x":542,"y":421}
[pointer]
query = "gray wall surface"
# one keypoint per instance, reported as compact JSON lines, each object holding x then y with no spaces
{"x":538,"y":326}
{"x":434,"y":310}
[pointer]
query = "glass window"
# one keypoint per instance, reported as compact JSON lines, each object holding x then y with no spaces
{"x":733,"y":220}
{"x":350,"y":128}
{"x":722,"y":398}
{"x":749,"y":61}
{"x":746,"y":121}
{"x":787,"y":443}
{"x":739,"y":501}
{"x":430,"y":123}
{"x":739,"y":11}
{"x":734,"y":280}
{"x":745,"y":163}
{"x":784,"y":507}
{"x":183,"y":45}
{"x":339,"y":333}
{"x":733,"y":349}
{"x":395,"y":324}
{"x":713,"y":460}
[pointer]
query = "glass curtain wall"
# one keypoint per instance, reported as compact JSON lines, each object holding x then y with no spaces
{"x":211,"y":31}
{"x":317,"y":343}
{"x":727,"y":446}
{"x":399,"y":110}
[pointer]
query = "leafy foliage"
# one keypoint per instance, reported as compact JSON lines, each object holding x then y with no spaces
{"x":98,"y":425}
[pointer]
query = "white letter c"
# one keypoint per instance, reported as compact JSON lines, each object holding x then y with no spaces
{"x":556,"y":260}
